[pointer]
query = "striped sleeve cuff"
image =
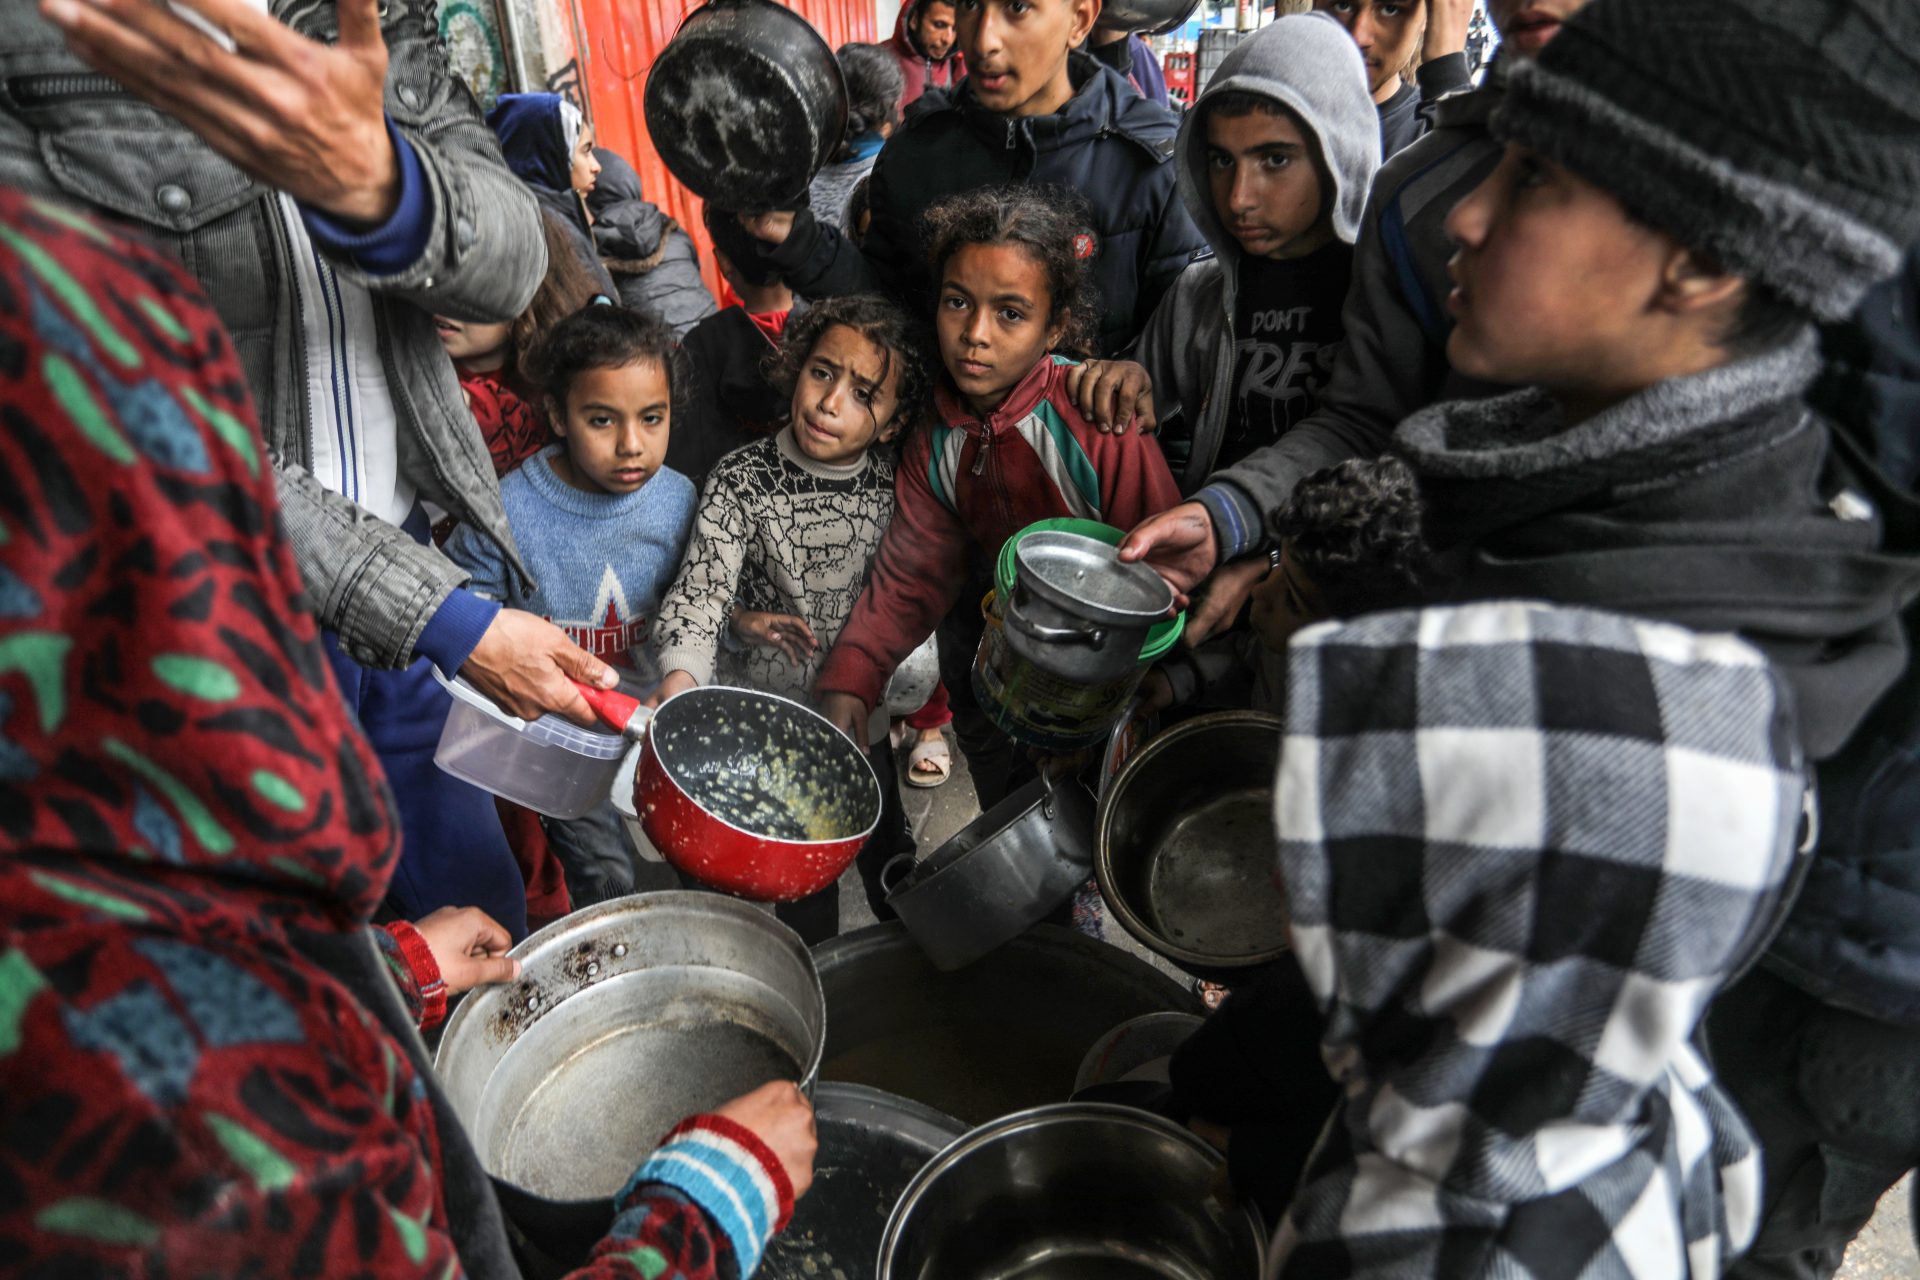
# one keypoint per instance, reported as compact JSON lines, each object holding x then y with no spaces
{"x":731,"y":1174}
{"x":1236,"y":520}
{"x":419,"y":960}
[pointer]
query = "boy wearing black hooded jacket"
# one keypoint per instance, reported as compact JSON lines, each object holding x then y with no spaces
{"x":1032,"y":109}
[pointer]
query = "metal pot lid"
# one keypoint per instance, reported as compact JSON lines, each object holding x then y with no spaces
{"x":1087,"y":577}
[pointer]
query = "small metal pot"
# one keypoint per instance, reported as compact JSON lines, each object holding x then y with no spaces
{"x":1080,"y":613}
{"x":998,"y":877}
{"x":627,"y":1017}
{"x":1080,"y":1188}
{"x":1185,"y":854}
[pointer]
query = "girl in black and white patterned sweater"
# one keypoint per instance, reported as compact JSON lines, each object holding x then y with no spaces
{"x":787,"y":527}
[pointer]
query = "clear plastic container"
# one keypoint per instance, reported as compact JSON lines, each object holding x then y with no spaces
{"x":550,"y":765}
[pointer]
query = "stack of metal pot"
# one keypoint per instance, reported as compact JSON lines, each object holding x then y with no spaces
{"x":1070,"y":633}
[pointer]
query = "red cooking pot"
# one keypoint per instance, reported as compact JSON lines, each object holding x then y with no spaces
{"x":747,"y":792}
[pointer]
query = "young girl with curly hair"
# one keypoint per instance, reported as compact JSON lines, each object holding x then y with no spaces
{"x":787,"y":527}
{"x":1014,"y":310}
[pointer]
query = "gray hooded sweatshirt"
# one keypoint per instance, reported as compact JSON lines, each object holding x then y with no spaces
{"x":1308,"y":63}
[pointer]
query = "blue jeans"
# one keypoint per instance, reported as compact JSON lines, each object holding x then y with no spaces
{"x":453,"y":852}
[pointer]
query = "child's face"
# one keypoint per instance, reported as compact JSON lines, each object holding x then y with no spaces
{"x":842,"y":404}
{"x":614,"y":426}
{"x":586,"y":166}
{"x":1016,"y":51}
{"x":1388,"y":32}
{"x":481,"y":347}
{"x":1555,"y":286}
{"x":1284,"y":604}
{"x":992,"y":320}
{"x":1266,"y":176}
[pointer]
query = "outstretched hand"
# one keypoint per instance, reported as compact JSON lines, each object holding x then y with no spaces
{"x":294,"y":114}
{"x":528,"y":666}
{"x":847,"y":714}
{"x":1178,"y":544}
{"x":787,"y":632}
{"x":470,"y":947}
{"x":779,"y":1115}
{"x":1221,"y":597}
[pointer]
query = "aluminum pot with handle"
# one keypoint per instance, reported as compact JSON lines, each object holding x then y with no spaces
{"x":998,"y":877}
{"x":1078,"y":611}
{"x":744,"y":791}
{"x":745,"y":104}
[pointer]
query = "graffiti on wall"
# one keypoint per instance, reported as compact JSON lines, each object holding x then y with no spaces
{"x":470,"y":30}
{"x":566,"y":83}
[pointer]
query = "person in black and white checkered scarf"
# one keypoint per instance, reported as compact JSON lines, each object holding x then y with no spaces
{"x":1523,"y":846}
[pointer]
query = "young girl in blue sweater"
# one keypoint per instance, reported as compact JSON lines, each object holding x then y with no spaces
{"x":601,"y":522}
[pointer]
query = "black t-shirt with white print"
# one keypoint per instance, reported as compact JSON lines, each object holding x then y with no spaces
{"x":1287,"y":331}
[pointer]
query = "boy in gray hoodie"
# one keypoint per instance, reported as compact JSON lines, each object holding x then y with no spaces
{"x":1274,"y":164}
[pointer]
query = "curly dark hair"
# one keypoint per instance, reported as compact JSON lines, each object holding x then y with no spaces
{"x":875,"y":84}
{"x":1353,"y":530}
{"x":881,"y":321}
{"x":1045,"y":221}
{"x":600,"y":336}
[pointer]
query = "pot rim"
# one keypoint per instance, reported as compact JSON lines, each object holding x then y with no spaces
{"x":1111,"y":616}
{"x":1103,"y":870}
{"x":939,"y":862}
{"x":478,"y":1004}
{"x":686,"y":793}
{"x":1047,"y":1116}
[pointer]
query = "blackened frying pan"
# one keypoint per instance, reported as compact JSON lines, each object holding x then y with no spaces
{"x":745,"y":104}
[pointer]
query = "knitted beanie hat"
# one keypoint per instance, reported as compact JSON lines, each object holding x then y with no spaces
{"x":1781,"y":137}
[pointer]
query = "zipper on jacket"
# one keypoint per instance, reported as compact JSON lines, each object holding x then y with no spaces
{"x":289,"y":275}
{"x":57,"y":88}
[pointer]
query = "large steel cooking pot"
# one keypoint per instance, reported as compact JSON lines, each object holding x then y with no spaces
{"x":871,"y":1145}
{"x":1077,"y":1189}
{"x":748,"y":792}
{"x":745,"y":104}
{"x":998,"y":876}
{"x":627,"y":1017}
{"x":1006,"y":1032}
{"x":1185,"y":854}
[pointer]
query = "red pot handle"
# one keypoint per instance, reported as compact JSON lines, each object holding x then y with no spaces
{"x":616,"y":708}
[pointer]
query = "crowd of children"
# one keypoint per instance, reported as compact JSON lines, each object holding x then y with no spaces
{"x":957,"y":340}
{"x":841,"y":525}
{"x":1472,"y":427}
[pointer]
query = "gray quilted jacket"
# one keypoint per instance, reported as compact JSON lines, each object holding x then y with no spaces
{"x":74,"y":135}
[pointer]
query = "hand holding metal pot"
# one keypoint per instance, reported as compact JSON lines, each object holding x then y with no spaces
{"x":779,"y":1115}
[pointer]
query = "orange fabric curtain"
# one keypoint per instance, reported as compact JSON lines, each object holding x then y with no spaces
{"x":623,"y":39}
